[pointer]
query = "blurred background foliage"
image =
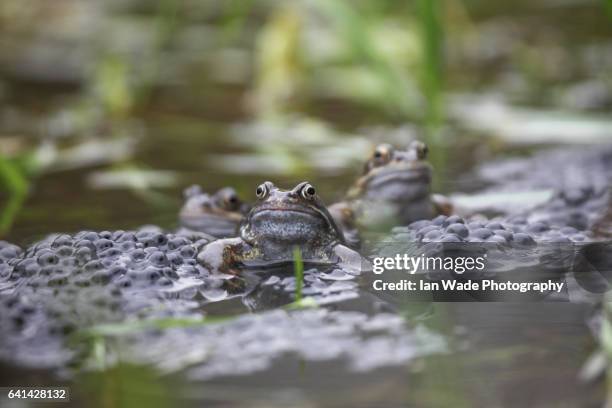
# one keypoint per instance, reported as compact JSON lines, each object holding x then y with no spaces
{"x":109,"y":109}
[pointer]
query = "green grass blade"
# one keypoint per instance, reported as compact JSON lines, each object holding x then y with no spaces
{"x":298,"y":268}
{"x":432,"y":38}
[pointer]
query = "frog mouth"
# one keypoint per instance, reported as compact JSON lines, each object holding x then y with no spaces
{"x":271,"y":209}
{"x":402,"y":176}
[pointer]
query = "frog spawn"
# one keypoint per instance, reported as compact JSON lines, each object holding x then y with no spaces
{"x":510,"y":245}
{"x":580,"y":180}
{"x":8,"y":254}
{"x":322,"y":286}
{"x":580,"y":208}
{"x":252,"y":343}
{"x":115,"y":260}
{"x":67,"y":282}
{"x":513,"y":231}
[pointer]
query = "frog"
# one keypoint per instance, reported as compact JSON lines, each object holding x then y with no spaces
{"x":394,"y":189}
{"x":218,"y":215}
{"x":279,"y":223}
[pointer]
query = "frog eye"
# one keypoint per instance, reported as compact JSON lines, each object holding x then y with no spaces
{"x":308,"y":192}
{"x":262,"y":190}
{"x":382,"y":154}
{"x":231,"y":201}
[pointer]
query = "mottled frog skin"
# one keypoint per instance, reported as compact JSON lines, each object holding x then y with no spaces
{"x":279,"y":222}
{"x":218,"y":214}
{"x":395,"y":189}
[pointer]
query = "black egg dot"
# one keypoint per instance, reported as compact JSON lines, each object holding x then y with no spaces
{"x":47,"y":258}
{"x":175,"y":258}
{"x":10,"y":302}
{"x":160,"y":239}
{"x":109,"y":253}
{"x":103,"y":244}
{"x":188,"y":251}
{"x":124,"y":282}
{"x":152,"y":274}
{"x":158,"y":258}
{"x":163,"y":281}
{"x":106,"y":234}
{"x":18,"y":321}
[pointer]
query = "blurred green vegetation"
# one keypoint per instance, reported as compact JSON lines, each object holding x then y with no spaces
{"x":92,"y":90}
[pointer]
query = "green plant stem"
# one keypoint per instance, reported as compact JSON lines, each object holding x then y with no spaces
{"x":432,"y":37}
{"x":298,"y":267}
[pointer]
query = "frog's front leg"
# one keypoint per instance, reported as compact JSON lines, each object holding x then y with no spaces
{"x":345,"y":218}
{"x":222,"y":255}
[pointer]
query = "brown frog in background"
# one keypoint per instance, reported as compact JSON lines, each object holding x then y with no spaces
{"x":395,"y":189}
{"x":218,"y":214}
